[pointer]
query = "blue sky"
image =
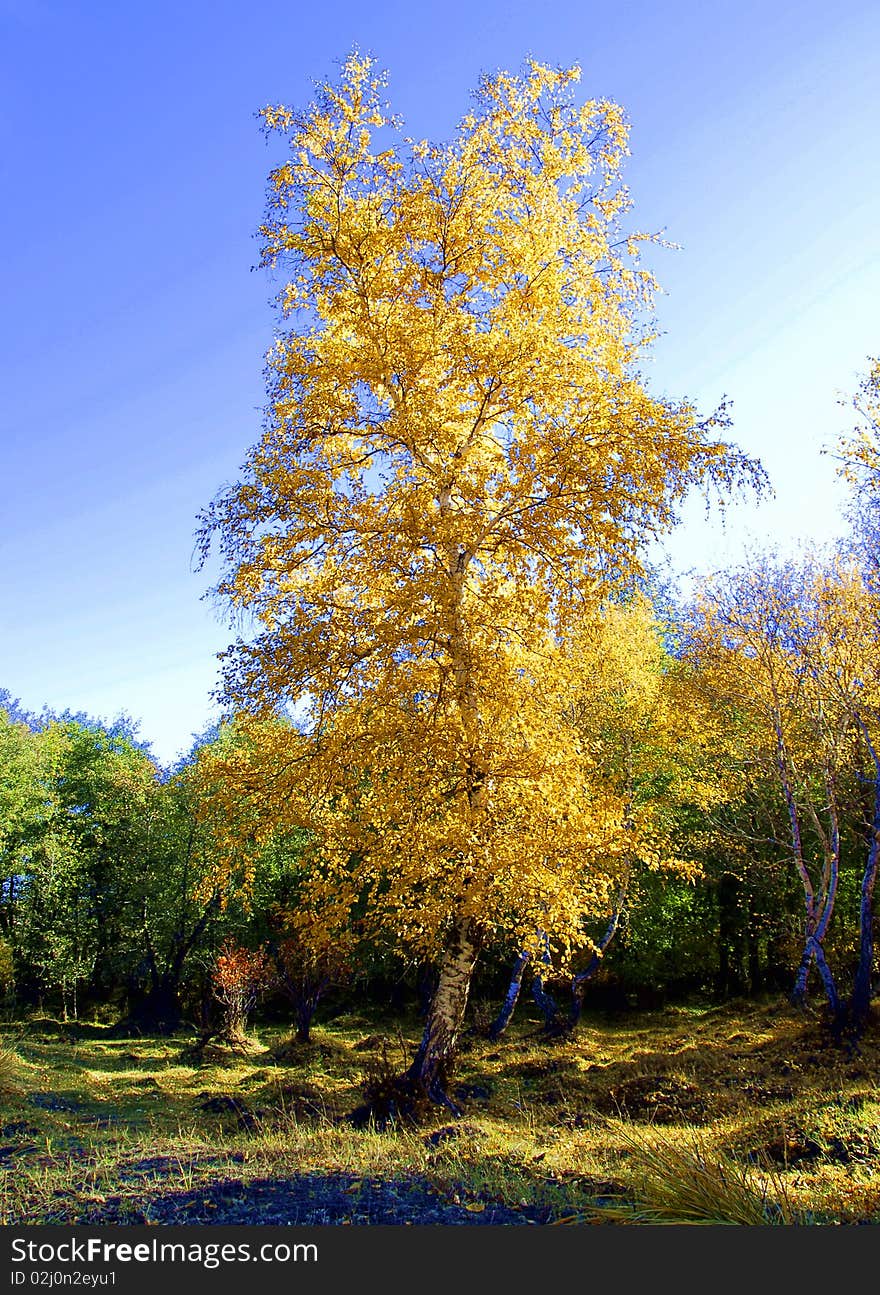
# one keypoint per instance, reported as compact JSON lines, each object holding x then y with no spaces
{"x":133,"y":329}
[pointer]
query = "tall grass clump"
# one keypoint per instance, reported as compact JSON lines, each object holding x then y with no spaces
{"x":690,"y":1183}
{"x":10,"y":1070}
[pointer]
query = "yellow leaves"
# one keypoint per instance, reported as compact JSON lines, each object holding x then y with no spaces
{"x":859,"y":452}
{"x":277,"y":117}
{"x":457,"y":452}
{"x":787,"y":651}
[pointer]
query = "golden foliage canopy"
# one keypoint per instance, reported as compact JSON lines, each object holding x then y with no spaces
{"x":459,"y":459}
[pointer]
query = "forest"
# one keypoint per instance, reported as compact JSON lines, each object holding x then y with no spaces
{"x":513,"y":873}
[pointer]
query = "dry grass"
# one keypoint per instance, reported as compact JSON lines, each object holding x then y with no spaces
{"x":691,"y":1182}
{"x":13,"y":1071}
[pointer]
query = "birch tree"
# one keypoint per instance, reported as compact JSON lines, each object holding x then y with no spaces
{"x":459,"y":457}
{"x":791,"y":648}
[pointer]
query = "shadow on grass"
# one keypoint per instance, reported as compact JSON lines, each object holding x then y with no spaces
{"x":313,"y":1199}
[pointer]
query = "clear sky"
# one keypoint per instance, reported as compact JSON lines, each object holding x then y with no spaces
{"x":133,"y":171}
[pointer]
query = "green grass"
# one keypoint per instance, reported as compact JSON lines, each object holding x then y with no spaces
{"x":741,"y":1114}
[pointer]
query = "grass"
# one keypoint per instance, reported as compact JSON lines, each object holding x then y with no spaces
{"x":742,"y":1114}
{"x":692,"y":1182}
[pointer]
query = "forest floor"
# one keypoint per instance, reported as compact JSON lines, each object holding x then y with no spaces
{"x":743,"y":1113}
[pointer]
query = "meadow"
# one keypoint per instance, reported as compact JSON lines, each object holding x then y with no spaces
{"x":743,"y":1113}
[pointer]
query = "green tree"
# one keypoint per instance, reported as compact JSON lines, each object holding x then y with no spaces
{"x":95,"y":787}
{"x":23,"y":809}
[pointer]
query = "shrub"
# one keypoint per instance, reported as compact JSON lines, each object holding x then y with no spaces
{"x":240,"y":976}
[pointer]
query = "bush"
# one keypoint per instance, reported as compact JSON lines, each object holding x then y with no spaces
{"x":240,"y":976}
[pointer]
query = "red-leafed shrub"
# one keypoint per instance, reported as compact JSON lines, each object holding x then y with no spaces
{"x":240,"y":976}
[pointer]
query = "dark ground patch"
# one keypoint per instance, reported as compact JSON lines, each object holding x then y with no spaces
{"x":312,"y":1199}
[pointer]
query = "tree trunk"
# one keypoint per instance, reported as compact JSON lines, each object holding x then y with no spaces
{"x":547,"y":1005}
{"x":304,"y":1013}
{"x":799,"y":989}
{"x":814,"y":950}
{"x":828,"y":981}
{"x":311,"y":993}
{"x":579,"y":982}
{"x":508,"y":1007}
{"x":861,"y":997}
{"x":430,"y":1069}
{"x":818,"y":905}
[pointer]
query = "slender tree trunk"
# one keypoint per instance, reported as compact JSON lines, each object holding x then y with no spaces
{"x":861,"y":998}
{"x":579,"y":983}
{"x":545,"y":1001}
{"x":828,"y":981}
{"x":437,"y":1048}
{"x":799,"y":989}
{"x":818,"y":907}
{"x":578,"y":989}
{"x":547,"y":1004}
{"x":511,"y":998}
{"x":304,"y":1013}
{"x":813,"y":950}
